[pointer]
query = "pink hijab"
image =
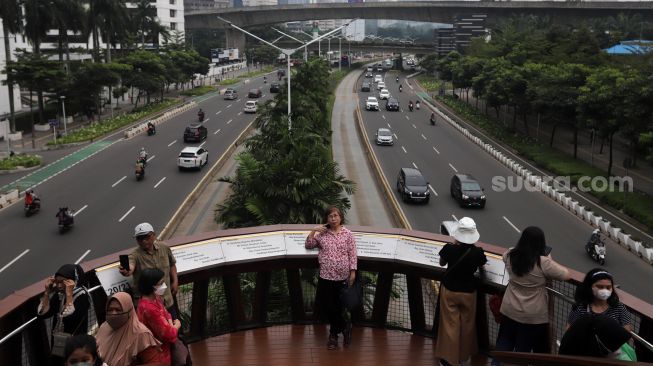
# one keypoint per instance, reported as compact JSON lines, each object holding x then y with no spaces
{"x":119,"y":347}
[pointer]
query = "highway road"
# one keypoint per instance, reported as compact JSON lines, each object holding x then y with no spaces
{"x":108,"y":200}
{"x":441,"y":151}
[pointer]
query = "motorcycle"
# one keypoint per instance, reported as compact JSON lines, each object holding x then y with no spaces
{"x":140,"y":174}
{"x":410,"y":106}
{"x":432,"y":119}
{"x":142,"y":160}
{"x":417,"y":105}
{"x":200,"y":116}
{"x":151,"y":130}
{"x":595,"y":248}
{"x":66,"y":219}
{"x":400,"y":88}
{"x":32,"y":208}
{"x":397,"y":79}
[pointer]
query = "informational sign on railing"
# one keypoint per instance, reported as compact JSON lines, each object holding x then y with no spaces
{"x":290,"y":244}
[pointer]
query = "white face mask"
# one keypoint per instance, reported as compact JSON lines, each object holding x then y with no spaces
{"x":602,"y":294}
{"x":161,"y":289}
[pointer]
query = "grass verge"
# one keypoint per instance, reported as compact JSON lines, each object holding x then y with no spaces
{"x":19,"y":160}
{"x":637,"y":205}
{"x":200,"y":90}
{"x":97,"y":129}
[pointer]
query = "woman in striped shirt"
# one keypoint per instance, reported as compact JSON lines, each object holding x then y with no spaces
{"x":597,"y":296}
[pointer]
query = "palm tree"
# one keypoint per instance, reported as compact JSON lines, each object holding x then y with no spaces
{"x":38,"y":20}
{"x":11,"y":24}
{"x":67,"y":15}
{"x":113,"y":21}
{"x":143,"y":18}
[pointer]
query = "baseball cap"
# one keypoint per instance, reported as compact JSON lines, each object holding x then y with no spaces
{"x":143,"y":229}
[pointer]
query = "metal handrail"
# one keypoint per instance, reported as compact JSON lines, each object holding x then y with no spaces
{"x":632,"y":333}
{"x":23,"y":326}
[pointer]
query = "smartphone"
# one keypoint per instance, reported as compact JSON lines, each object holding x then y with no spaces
{"x":327,"y":226}
{"x":547,"y":250}
{"x":124,"y":261}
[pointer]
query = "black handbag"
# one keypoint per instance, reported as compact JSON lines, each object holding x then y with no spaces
{"x":352,"y":296}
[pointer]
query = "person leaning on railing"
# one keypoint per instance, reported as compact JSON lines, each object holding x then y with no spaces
{"x":597,"y":296}
{"x":525,"y":306}
{"x":456,"y":341}
{"x":338,"y":263}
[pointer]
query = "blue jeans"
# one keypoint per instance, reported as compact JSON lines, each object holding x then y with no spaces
{"x":518,"y":337}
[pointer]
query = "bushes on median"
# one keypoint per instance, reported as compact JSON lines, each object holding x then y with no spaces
{"x":19,"y":160}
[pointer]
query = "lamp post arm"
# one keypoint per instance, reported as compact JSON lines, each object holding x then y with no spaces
{"x":250,"y":34}
{"x":288,"y":35}
{"x":327,"y":34}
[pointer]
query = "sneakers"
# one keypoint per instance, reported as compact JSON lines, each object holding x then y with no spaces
{"x":332,"y":343}
{"x":346,"y":334}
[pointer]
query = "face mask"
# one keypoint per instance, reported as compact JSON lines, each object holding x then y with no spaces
{"x":116,"y":321}
{"x":82,"y":364}
{"x":161,"y":289}
{"x":602,"y":294}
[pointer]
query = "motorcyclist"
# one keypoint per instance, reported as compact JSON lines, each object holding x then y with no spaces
{"x":397,"y":79}
{"x":65,"y":216}
{"x":417,"y":104}
{"x":31,"y":198}
{"x":410,"y":105}
{"x":595,"y":239}
{"x":432,"y":119}
{"x":265,"y":79}
{"x":151,"y":128}
{"x":142,"y":155}
{"x":200,"y":114}
{"x":140,"y":168}
{"x":400,"y":88}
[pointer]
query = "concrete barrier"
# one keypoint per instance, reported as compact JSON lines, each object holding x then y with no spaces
{"x":580,"y":211}
{"x":588,"y":216}
{"x":605,"y":227}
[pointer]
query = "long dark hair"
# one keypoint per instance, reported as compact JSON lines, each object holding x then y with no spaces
{"x":148,"y":278}
{"x":528,"y":251}
{"x":584,"y":294}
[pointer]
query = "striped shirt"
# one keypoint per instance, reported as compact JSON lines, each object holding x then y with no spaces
{"x":618,"y":313}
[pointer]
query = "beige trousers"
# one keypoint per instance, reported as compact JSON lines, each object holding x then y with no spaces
{"x":456,"y":340}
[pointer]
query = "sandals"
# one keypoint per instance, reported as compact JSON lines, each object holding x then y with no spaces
{"x":332,"y":343}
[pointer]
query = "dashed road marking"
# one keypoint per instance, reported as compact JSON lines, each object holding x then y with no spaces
{"x":151,"y":158}
{"x":80,"y":210}
{"x":436,"y":150}
{"x":216,"y":132}
{"x":511,"y":224}
{"x":229,"y":121}
{"x":118,"y":182}
{"x":14,"y":260}
{"x":159,"y":182}
{"x":218,"y":112}
{"x":452,"y":167}
{"x":415,"y":165}
{"x":408,"y":118}
{"x":404,"y":150}
{"x":172,"y":143}
{"x":424,"y":137}
{"x":229,"y":106}
{"x":83,"y":256}
{"x":126,"y":213}
{"x":433,"y":190}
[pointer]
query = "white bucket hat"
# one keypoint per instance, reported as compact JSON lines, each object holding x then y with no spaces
{"x":466,"y":231}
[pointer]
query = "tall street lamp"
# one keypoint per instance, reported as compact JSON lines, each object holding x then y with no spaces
{"x":286,"y":52}
{"x":295,"y":39}
{"x":63,"y":105}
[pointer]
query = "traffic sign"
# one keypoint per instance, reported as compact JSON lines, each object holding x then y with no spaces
{"x":54,"y":122}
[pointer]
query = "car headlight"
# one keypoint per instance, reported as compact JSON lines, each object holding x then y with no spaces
{"x":465,"y":197}
{"x":407,"y":191}
{"x":427,"y":193}
{"x":483,"y":197}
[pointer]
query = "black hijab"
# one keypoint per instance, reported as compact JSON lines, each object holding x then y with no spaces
{"x":73,"y":272}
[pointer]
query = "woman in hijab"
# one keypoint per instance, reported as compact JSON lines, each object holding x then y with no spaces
{"x":123,"y":340}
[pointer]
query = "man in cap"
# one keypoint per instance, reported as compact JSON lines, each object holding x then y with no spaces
{"x":457,"y":298}
{"x":152,"y":253}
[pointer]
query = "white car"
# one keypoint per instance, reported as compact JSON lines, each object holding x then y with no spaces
{"x":378,"y":78}
{"x":384,"y":94}
{"x":380,"y":85}
{"x":372,"y":104}
{"x":250,"y":106}
{"x":192,"y":158}
{"x":384,"y":137}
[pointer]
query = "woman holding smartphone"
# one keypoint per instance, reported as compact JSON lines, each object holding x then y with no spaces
{"x":525,"y":306}
{"x":338,"y":264}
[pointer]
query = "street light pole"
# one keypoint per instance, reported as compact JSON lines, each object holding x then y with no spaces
{"x":63,"y":105}
{"x":286,"y":52}
{"x":339,"y":54}
{"x":295,"y":39}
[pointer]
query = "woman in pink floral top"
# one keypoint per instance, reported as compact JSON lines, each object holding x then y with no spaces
{"x":338,"y":264}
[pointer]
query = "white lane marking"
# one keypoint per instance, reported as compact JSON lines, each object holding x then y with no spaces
{"x":229,"y":121}
{"x":206,"y":120}
{"x":229,"y":106}
{"x":389,"y":126}
{"x":80,"y":210}
{"x":410,"y":86}
{"x":436,"y":150}
{"x":408,"y":118}
{"x":14,"y":260}
{"x":127,"y":213}
{"x":172,"y":143}
{"x":510,"y":223}
{"x":239,"y":113}
{"x":424,"y":137}
{"x":415,"y":127}
{"x":383,"y":116}
{"x":159,"y":182}
{"x":406,"y":152}
{"x":82,"y":257}
{"x":454,"y":217}
{"x":218,"y":112}
{"x":216,"y":132}
{"x":202,"y":144}
{"x":395,"y":135}
{"x":433,"y":190}
{"x":150,"y":158}
{"x":452,"y":167}
{"x":415,"y":165}
{"x":118,"y":182}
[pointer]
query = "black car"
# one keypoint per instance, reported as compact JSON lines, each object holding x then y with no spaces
{"x":392,"y":104}
{"x":254,"y":93}
{"x":368,"y":74}
{"x":195,"y":132}
{"x":466,"y":190}
{"x":365,"y":87}
{"x":275,"y":88}
{"x":412,"y":186}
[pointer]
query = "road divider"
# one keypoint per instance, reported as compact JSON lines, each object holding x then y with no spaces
{"x":140,"y":128}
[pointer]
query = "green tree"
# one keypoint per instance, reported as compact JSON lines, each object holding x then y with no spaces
{"x":112,"y":21}
{"x":263,"y":54}
{"x":89,"y":81}
{"x":148,"y":73}
{"x":38,"y":20}
{"x":12,"y":23}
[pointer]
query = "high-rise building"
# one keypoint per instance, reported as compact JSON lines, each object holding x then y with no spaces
{"x":445,"y":41}
{"x":205,"y":4}
{"x":15,"y":42}
{"x":259,"y":2}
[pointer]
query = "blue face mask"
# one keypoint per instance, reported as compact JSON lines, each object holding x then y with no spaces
{"x":82,"y":364}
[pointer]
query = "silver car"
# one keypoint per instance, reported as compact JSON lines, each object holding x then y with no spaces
{"x":384,"y":137}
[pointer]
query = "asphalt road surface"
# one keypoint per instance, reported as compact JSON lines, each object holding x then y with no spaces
{"x":108,"y":200}
{"x":441,"y":151}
